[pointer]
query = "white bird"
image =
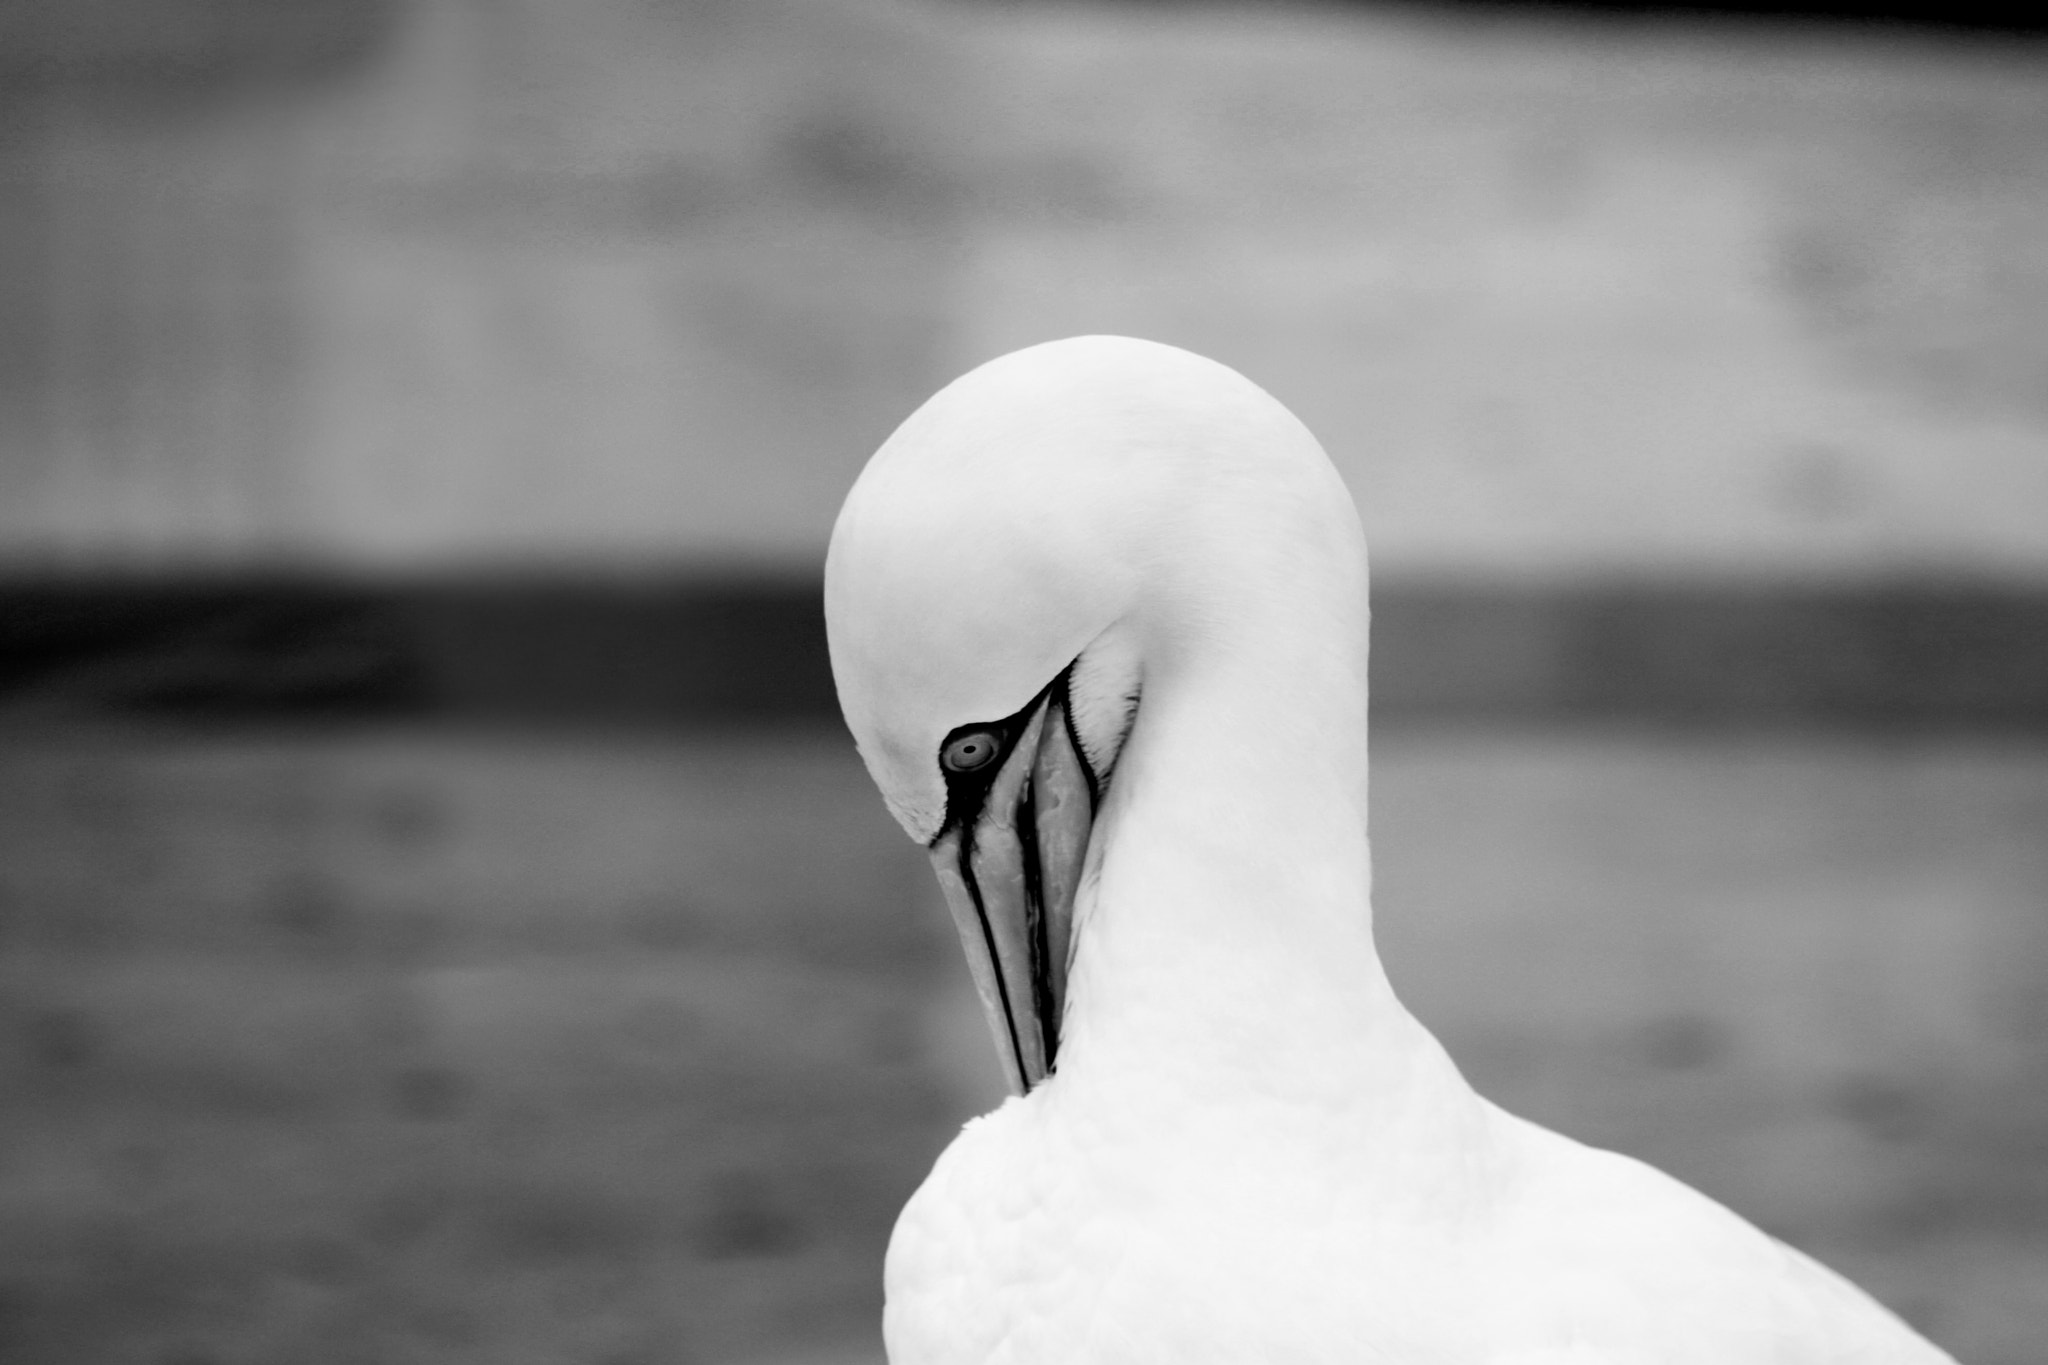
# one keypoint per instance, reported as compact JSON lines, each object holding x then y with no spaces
{"x":1097,"y":615}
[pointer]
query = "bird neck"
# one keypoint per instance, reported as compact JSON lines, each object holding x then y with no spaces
{"x":1225,"y":934}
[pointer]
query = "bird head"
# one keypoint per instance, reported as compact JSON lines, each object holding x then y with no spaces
{"x":1031,"y":545}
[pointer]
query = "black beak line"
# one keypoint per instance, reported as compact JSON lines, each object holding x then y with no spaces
{"x":1018,"y":836}
{"x":988,"y":938}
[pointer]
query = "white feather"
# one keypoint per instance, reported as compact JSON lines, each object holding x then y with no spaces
{"x":1250,"y":1151}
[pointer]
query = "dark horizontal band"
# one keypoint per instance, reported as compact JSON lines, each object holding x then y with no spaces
{"x":569,"y":650}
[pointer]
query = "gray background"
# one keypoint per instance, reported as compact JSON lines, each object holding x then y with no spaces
{"x":1692,"y":380}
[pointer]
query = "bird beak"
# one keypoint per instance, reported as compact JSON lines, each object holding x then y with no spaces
{"x":1010,"y":871}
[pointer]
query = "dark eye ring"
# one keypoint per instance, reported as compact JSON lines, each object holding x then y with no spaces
{"x":970,"y":751}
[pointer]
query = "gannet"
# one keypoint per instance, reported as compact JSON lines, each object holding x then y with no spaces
{"x":1097,"y":616}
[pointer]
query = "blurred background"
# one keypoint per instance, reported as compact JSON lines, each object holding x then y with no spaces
{"x":441,"y":918}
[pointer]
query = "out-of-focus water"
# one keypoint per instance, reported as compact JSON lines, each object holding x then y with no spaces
{"x":420,"y":1047}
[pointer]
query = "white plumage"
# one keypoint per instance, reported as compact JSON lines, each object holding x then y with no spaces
{"x":1246,"y":1149}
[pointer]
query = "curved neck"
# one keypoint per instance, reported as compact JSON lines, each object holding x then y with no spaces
{"x":1224,"y":940}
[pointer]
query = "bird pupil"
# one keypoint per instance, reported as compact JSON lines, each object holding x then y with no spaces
{"x":969,"y":752}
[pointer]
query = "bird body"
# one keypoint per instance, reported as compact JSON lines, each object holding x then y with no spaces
{"x":1231,"y":1141}
{"x":1038,"y":1238}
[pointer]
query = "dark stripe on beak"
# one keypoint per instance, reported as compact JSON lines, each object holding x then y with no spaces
{"x":1009,"y":861}
{"x":988,"y":938}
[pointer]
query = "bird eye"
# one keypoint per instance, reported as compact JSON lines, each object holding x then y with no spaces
{"x":969,"y":752}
